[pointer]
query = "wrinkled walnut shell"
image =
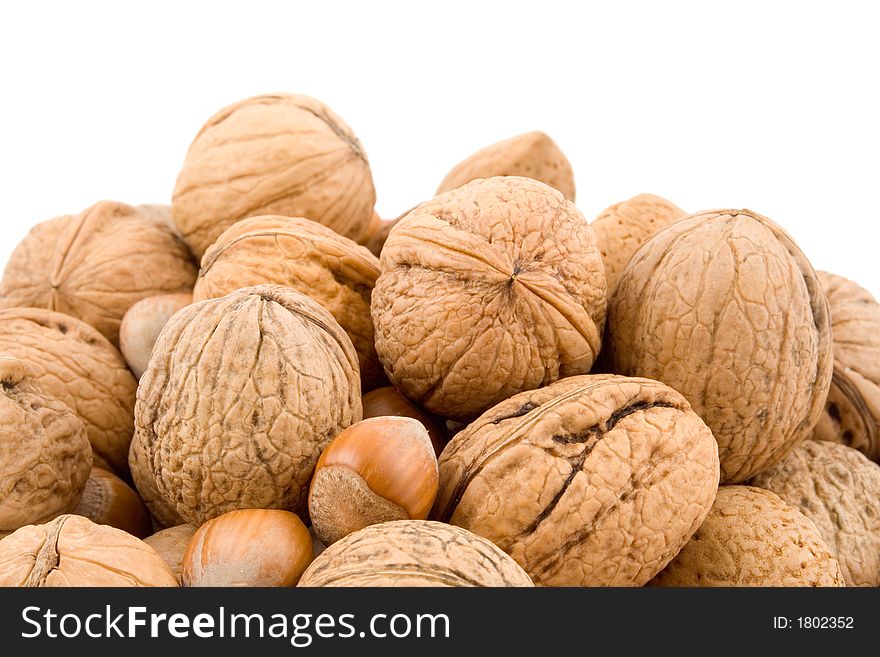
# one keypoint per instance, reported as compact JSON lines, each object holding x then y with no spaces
{"x":753,"y":538}
{"x":837,"y":488}
{"x":488,"y":290}
{"x":278,"y":154}
{"x":852,"y":411}
{"x":304,"y":255}
{"x":96,"y":265}
{"x":73,"y":551}
{"x":724,"y":307}
{"x":413,"y":553}
{"x":241,"y":395}
{"x":595,"y":480}
{"x":531,"y":155}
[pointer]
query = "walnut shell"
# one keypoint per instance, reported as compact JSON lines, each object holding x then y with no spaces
{"x":852,"y":411}
{"x":78,"y":366}
{"x":45,"y":456}
{"x":753,"y":538}
{"x":163,"y":514}
{"x":485,"y":291}
{"x":623,"y":227}
{"x":73,"y":551}
{"x":724,"y":307}
{"x":276,"y":154}
{"x":158,"y":212}
{"x":595,"y":480}
{"x":96,"y":265}
{"x":304,"y":255}
{"x":171,"y":545}
{"x":413,"y":553}
{"x":837,"y":488}
{"x":241,"y":395}
{"x":531,"y":155}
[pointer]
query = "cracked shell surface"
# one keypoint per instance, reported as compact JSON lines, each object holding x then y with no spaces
{"x":299,"y":253}
{"x":73,"y":551}
{"x":171,"y":544}
{"x":96,"y":265}
{"x":78,"y":366}
{"x":724,"y":307}
{"x":852,"y":411}
{"x":531,"y":155}
{"x":837,"y":488}
{"x":408,"y":553}
{"x":623,"y":227}
{"x":241,"y":395}
{"x":596,"y":480}
{"x":485,"y":291}
{"x":753,"y":538}
{"x":45,"y":456}
{"x":277,"y":154}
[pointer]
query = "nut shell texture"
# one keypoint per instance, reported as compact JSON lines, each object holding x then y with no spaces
{"x":852,"y":412}
{"x":96,"y":265}
{"x":753,"y":538}
{"x":143,"y":323}
{"x":413,"y":553}
{"x":241,"y":395}
{"x":171,"y":544}
{"x":276,"y":154}
{"x":724,"y":307}
{"x":837,"y":488}
{"x":488,"y":290}
{"x":531,"y":155}
{"x":596,"y":480}
{"x":78,"y":366}
{"x":74,"y":551}
{"x":334,"y":271}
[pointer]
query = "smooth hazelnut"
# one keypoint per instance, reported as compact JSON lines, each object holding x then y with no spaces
{"x":107,"y":500}
{"x":377,"y":470}
{"x":388,"y":401}
{"x":141,"y":326}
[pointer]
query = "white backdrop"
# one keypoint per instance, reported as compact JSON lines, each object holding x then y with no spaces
{"x":773,"y":106}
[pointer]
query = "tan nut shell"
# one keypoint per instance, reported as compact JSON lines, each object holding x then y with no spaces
{"x":304,"y":255}
{"x":595,"y":480}
{"x":852,"y":412}
{"x":74,"y":551}
{"x":753,"y":538}
{"x":171,"y":545}
{"x":488,"y":290}
{"x":531,"y":155}
{"x":96,"y":265}
{"x":45,"y":456}
{"x":725,"y":308}
{"x":276,"y":154}
{"x":623,"y":227}
{"x":107,"y":500}
{"x":78,"y":366}
{"x":837,"y":488}
{"x":143,"y":323}
{"x":413,"y":553}
{"x":241,"y":395}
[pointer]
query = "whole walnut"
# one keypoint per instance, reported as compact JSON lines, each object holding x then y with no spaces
{"x":485,"y":291}
{"x":724,"y":307}
{"x":852,"y":411}
{"x":45,"y":456}
{"x":78,"y":366}
{"x":241,"y":395}
{"x":278,"y":154}
{"x":531,"y":155}
{"x":74,"y":551}
{"x":837,"y":488}
{"x":331,"y":269}
{"x":171,"y":544}
{"x":623,"y":227}
{"x":595,"y":480}
{"x":407,"y":553}
{"x":96,"y":265}
{"x":753,"y":538}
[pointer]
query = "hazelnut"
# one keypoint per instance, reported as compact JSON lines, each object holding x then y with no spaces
{"x":248,"y":547}
{"x":143,"y":323}
{"x":377,"y":470}
{"x":107,"y":500}
{"x":388,"y":401}
{"x":171,"y":544}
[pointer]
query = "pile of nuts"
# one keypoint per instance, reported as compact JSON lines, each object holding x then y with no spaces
{"x":265,"y":384}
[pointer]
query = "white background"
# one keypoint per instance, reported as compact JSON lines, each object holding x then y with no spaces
{"x":774,"y":106}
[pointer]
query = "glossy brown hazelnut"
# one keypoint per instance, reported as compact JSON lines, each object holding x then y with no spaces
{"x":107,"y":500}
{"x":388,"y":401}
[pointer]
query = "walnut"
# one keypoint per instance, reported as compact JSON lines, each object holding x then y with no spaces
{"x":485,"y":291}
{"x":595,"y":480}
{"x":724,"y":307}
